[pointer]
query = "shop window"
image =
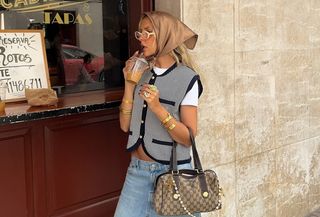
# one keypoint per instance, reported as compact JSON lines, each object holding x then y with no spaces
{"x":87,"y":42}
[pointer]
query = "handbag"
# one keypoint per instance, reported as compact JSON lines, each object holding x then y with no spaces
{"x":186,"y":191}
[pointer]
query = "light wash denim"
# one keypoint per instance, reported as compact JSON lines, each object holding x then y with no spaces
{"x":136,"y":195}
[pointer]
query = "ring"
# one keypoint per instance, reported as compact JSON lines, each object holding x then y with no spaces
{"x":146,"y":94}
{"x":153,"y":88}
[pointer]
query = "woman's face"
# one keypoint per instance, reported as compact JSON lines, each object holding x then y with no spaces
{"x":147,"y":37}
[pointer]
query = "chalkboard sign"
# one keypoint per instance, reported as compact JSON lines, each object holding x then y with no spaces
{"x":23,"y":62}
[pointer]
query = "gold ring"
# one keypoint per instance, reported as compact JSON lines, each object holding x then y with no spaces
{"x":146,"y":94}
{"x":153,"y":88}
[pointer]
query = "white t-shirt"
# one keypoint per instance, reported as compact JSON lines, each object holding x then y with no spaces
{"x":191,"y":98}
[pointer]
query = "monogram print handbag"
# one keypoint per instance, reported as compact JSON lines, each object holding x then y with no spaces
{"x":184,"y":192}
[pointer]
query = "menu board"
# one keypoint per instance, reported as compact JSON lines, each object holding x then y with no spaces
{"x":23,"y":62}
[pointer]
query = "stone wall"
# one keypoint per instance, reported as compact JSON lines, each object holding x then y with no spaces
{"x":259,"y":116}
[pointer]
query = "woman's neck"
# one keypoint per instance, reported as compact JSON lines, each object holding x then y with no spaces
{"x":164,"y":61}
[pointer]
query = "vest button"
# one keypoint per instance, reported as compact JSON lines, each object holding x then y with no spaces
{"x":142,"y":121}
{"x":140,"y":137}
{"x":152,"y":77}
{"x":144,"y":105}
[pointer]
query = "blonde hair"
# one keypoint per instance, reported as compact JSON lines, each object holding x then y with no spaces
{"x":181,"y":55}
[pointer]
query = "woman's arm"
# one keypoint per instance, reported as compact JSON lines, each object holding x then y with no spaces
{"x":126,"y":108}
{"x":127,"y":99}
{"x":177,"y":129}
{"x":188,"y":118}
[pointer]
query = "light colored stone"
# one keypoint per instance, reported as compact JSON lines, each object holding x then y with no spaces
{"x":296,"y":168}
{"x":255,"y":186}
{"x":314,"y":26}
{"x":255,"y":22}
{"x":292,"y":200}
{"x":292,"y":69}
{"x":259,"y":115}
{"x":254,"y":62}
{"x":314,"y":78}
{"x":213,"y":21}
{"x":226,"y":174}
{"x":254,"y":117}
{"x":314,"y":117}
{"x":172,"y":7}
{"x":216,"y":108}
{"x":254,"y":103}
{"x":292,"y":123}
{"x":314,"y":185}
{"x":216,"y":145}
{"x":291,"y":24}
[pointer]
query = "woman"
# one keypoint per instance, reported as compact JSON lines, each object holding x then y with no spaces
{"x":158,"y":110}
{"x":84,"y":76}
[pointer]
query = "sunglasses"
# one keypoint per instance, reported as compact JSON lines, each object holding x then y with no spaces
{"x":143,"y":35}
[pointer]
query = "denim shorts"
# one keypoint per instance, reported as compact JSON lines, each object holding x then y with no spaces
{"x":137,"y":192}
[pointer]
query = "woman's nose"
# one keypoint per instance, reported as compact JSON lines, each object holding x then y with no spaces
{"x":141,"y":39}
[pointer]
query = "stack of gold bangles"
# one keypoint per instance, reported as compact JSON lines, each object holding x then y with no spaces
{"x":126,"y":111}
{"x":165,"y":122}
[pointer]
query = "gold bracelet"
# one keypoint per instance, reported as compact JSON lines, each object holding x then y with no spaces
{"x":125,"y":111}
{"x":126,"y":101}
{"x":167,"y":119}
{"x":171,"y":127}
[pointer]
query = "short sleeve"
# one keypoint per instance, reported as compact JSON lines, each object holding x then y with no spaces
{"x":191,"y":98}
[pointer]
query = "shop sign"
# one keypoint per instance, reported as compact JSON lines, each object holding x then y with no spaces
{"x":23,"y":62}
{"x":27,"y":6}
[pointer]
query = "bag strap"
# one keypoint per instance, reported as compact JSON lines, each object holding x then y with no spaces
{"x":173,"y":159}
{"x":196,"y":159}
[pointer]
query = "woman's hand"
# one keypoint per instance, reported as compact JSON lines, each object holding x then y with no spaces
{"x":150,"y":94}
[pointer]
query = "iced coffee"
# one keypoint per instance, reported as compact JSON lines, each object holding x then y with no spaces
{"x":2,"y":106}
{"x":3,"y":90}
{"x":134,"y":75}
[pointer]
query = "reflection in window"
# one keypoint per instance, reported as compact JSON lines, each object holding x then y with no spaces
{"x":86,"y":41}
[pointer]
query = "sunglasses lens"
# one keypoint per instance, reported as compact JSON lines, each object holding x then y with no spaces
{"x":142,"y":35}
{"x":137,"y":34}
{"x":145,"y":34}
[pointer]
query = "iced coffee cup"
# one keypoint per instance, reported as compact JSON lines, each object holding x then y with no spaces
{"x":3,"y":90}
{"x":134,"y":75}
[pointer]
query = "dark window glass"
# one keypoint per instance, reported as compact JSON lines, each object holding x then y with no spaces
{"x":86,"y":41}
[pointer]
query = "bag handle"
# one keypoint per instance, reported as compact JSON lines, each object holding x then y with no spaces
{"x":196,"y":159}
{"x":197,"y":165}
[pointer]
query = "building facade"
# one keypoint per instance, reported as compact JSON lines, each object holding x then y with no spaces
{"x":260,"y":111}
